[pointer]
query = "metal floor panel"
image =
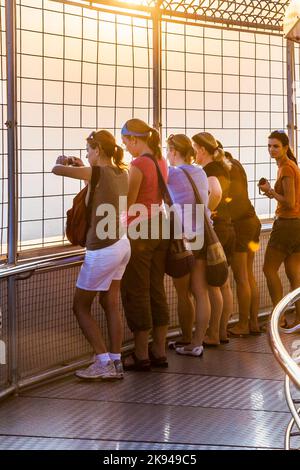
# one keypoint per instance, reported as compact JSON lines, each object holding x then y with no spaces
{"x":41,"y":443}
{"x":224,"y":363}
{"x":55,"y":418}
{"x":174,"y":390}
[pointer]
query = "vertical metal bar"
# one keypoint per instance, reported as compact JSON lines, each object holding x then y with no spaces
{"x":157,"y":82}
{"x":291,"y":96}
{"x":10,"y":19}
{"x":11,"y":123}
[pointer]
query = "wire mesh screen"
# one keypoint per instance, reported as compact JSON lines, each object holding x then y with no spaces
{"x":48,"y":333}
{"x":3,"y":144}
{"x":231,"y":84}
{"x":3,"y":334}
{"x":78,"y":70}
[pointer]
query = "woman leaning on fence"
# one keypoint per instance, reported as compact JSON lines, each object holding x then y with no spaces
{"x":143,"y":292}
{"x":107,"y":254}
{"x":284,"y":241}
{"x":181,"y":154}
{"x":217,"y":167}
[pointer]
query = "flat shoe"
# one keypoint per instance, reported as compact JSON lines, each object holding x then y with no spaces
{"x":139,"y":365}
{"x":292,"y":329}
{"x":238,"y":335}
{"x":210,"y":345}
{"x":255,"y":333}
{"x":176,"y":344}
{"x":197,"y":351}
{"x":158,"y":361}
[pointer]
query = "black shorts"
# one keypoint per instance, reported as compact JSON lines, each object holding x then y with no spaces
{"x":247,"y":231}
{"x":226,"y":235}
{"x":285,"y":236}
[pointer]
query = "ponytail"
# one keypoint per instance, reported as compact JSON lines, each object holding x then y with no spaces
{"x":291,"y":155}
{"x":118,"y":158}
{"x":141,"y":130}
{"x":212,"y":146}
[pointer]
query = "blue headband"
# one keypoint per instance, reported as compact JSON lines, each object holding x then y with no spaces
{"x":125,"y":131}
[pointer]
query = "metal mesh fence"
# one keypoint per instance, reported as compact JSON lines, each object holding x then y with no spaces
{"x":78,"y":70}
{"x":48,"y":333}
{"x":3,"y":144}
{"x":3,"y":334}
{"x":231,"y":84}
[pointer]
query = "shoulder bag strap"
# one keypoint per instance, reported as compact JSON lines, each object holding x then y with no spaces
{"x":161,"y":182}
{"x":195,"y":189}
{"x":94,"y":181}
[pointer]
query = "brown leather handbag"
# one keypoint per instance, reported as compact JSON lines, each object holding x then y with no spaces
{"x":78,"y":217}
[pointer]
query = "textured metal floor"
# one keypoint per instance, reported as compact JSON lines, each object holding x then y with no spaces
{"x":232,"y":398}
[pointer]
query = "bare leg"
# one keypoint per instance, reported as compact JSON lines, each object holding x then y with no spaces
{"x":240,"y":273}
{"x":199,"y":289}
{"x":292,"y":269}
{"x":216,"y":302}
{"x":82,"y":304}
{"x":141,"y":344}
{"x":273,"y":260}
{"x":227,"y":308}
{"x":186,"y":310}
{"x":159,"y":335}
{"x":254,"y":307}
{"x":110,"y":303}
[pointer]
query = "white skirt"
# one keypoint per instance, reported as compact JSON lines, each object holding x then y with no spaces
{"x":101,"y":267}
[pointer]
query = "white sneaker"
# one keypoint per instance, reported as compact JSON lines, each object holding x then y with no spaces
{"x":98,"y":371}
{"x":119,"y":368}
{"x":197,"y":351}
{"x":292,"y":329}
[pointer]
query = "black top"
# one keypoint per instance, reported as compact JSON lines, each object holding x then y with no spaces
{"x":217,"y":169}
{"x":240,"y":206}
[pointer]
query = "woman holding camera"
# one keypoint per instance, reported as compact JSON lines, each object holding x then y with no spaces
{"x":107,"y":254}
{"x":284,"y":241}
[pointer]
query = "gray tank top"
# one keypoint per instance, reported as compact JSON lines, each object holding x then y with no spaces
{"x":105,"y":227}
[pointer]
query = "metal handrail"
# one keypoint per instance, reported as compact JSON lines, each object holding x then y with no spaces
{"x":289,"y":364}
{"x":73,"y":257}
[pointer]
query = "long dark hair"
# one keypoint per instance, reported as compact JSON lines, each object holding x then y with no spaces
{"x":283,"y":138}
{"x":152,"y":137}
{"x":105,"y":140}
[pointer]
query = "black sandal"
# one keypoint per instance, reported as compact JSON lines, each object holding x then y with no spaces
{"x":158,"y":361}
{"x":139,"y":365}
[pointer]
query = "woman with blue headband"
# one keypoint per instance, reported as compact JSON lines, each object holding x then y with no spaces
{"x":143,"y":292}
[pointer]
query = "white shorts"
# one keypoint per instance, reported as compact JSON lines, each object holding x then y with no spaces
{"x":101,"y":267}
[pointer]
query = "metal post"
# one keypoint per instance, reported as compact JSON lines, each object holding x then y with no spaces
{"x":10,"y":22}
{"x":157,"y":83}
{"x":291,"y":97}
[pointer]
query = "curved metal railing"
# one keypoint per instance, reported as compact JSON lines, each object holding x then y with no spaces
{"x":290,"y":363}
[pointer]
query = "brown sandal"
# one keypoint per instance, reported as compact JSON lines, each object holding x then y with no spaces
{"x":139,"y":365}
{"x":158,"y":361}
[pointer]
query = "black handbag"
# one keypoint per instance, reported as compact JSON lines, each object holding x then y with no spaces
{"x":180,"y":259}
{"x":216,"y":264}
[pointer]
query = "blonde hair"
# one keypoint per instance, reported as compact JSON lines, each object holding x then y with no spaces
{"x":183,"y":145}
{"x":105,"y":141}
{"x":152,"y":137}
{"x":207,"y":140}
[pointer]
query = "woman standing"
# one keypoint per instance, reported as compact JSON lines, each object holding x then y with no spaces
{"x":180,"y":154}
{"x":247,"y":229}
{"x":143,"y":292}
{"x":106,"y":256}
{"x":217,"y":167}
{"x":284,"y":242}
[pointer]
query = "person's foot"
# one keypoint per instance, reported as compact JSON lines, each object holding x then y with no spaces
{"x":254,"y":327}
{"x":211,"y":342}
{"x":238,"y":331}
{"x":132,"y":362}
{"x":97,"y":370}
{"x":191,"y":350}
{"x":292,"y":328}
